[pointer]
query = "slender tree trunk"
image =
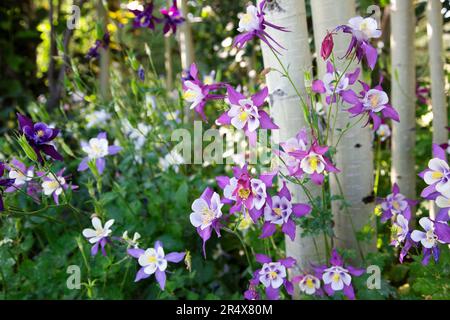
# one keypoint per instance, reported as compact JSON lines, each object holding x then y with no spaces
{"x":286,"y":106}
{"x":187,"y":50}
{"x":438,"y":99}
{"x":51,"y":103}
{"x":403,"y":95}
{"x":168,"y":63}
{"x":354,"y":154}
{"x":104,"y":55}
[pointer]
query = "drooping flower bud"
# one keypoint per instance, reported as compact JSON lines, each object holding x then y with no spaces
{"x":327,"y":46}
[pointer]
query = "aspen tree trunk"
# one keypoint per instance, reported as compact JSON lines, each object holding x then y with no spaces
{"x":168,"y":63}
{"x":403,"y":96}
{"x":436,"y":53}
{"x":286,"y":107}
{"x":104,"y":54}
{"x":354,"y":154}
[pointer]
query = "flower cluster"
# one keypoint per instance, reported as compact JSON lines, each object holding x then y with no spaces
{"x":144,"y":17}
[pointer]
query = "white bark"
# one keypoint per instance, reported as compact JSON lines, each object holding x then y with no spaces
{"x":104,"y":55}
{"x":286,"y":108}
{"x":168,"y":63}
{"x":403,"y":95}
{"x":438,"y":99}
{"x":354,"y":155}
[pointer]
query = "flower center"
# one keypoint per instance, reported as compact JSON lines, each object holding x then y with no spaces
{"x":437,"y":175}
{"x":309,"y":283}
{"x":273,"y":275}
{"x":431,"y":237}
{"x":244,"y":193}
{"x":152,"y":259}
{"x":374,"y":100}
{"x":189,"y":95}
{"x":247,"y":18}
{"x":243,"y":116}
{"x":396,"y":205}
{"x":277,"y":211}
{"x":40,"y":133}
{"x":207,"y":215}
{"x":313,"y":162}
{"x":336,"y":277}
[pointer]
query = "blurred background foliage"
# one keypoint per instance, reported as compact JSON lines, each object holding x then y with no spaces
{"x":142,"y":193}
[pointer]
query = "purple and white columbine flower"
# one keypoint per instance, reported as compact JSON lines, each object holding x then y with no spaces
{"x":437,"y":176}
{"x":443,"y":202}
{"x":97,"y":149}
{"x":54,"y":185}
{"x":144,"y":18}
{"x":395,"y":204}
{"x":328,"y":85}
{"x":435,"y":233}
{"x":103,"y":43}
{"x":154,"y":261}
{"x":39,"y":137}
{"x":400,"y":230}
{"x":172,"y":18}
{"x":338,"y":277}
{"x":273,"y":275}
{"x":99,"y":236}
{"x":371,"y":102}
{"x":246,"y":113}
{"x":20,"y":174}
{"x":245,"y":192}
{"x":280,"y":211}
{"x":6,"y":183}
{"x":196,"y":93}
{"x":207,"y":211}
{"x":362,"y":30}
{"x":308,"y":283}
{"x":298,"y":143}
{"x":253,"y":24}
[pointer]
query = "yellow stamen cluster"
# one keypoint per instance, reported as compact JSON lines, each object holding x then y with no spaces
{"x":244,"y":193}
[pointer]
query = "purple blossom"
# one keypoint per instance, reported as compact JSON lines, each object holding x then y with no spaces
{"x":395,"y":204}
{"x":172,"y":18}
{"x":207,"y":211}
{"x":437,"y":175}
{"x":400,"y":230}
{"x":273,"y":275}
{"x":97,"y":149}
{"x":328,"y":83}
{"x":246,"y":113}
{"x":5,"y":183}
{"x":39,"y":136}
{"x":314,"y":163}
{"x":372,"y":102}
{"x":297,"y":143}
{"x":246,"y":193}
{"x":435,"y":233}
{"x":338,"y":277}
{"x":280,"y":211}
{"x":253,"y":24}
{"x":154,"y":261}
{"x":145,"y":18}
{"x":141,"y":73}
{"x":422,"y":94}
{"x":54,"y":185}
{"x":327,"y":46}
{"x":196,"y":93}
{"x":99,"y":236}
{"x":103,"y":43}
{"x":362,"y":30}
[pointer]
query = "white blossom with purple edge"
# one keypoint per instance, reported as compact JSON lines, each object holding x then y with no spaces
{"x":400,"y":230}
{"x":395,"y":204}
{"x":273,"y":275}
{"x":383,"y":132}
{"x":99,"y":236}
{"x":437,"y":175}
{"x":435,"y":233}
{"x":21,"y":175}
{"x":97,"y":149}
{"x":154,"y":261}
{"x":308,"y":284}
{"x":338,"y":277}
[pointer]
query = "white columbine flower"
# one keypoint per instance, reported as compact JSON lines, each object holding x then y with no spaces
{"x":337,"y":277}
{"x":375,"y":100}
{"x":97,"y":118}
{"x":193,"y":94}
{"x":96,"y":148}
{"x":53,"y":185}
{"x":153,"y":259}
{"x":272,"y":274}
{"x":428,"y":239}
{"x":280,"y":212}
{"x":172,"y":159}
{"x":329,"y":81}
{"x":244,"y":113}
{"x":20,"y":178}
{"x":229,"y":189}
{"x":204,"y":215}
{"x":440,"y":174}
{"x":131,"y":242}
{"x":309,"y":284}
{"x":259,"y":193}
{"x":384,"y":132}
{"x":99,"y":232}
{"x":313,"y":162}
{"x":249,"y":21}
{"x":364,"y":28}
